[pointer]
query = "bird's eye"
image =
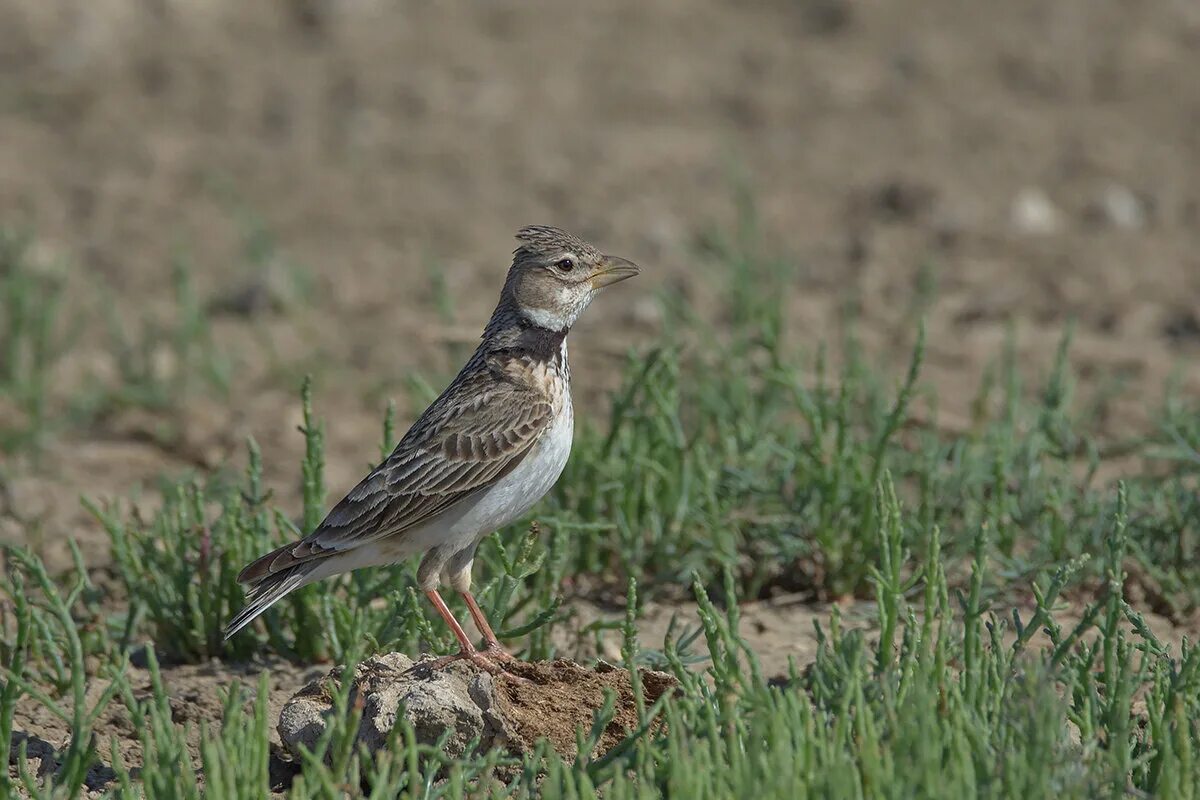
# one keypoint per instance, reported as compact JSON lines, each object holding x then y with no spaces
{"x":565,"y":265}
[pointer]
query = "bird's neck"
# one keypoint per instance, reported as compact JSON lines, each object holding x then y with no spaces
{"x":511,"y":330}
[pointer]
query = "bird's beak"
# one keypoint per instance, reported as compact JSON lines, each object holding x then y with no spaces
{"x":612,"y":270}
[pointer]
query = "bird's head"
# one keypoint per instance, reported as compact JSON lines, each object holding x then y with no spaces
{"x":554,"y":276}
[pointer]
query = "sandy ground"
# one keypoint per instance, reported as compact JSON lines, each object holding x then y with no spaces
{"x":1021,"y":164}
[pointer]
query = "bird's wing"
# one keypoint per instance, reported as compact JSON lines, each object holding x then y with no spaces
{"x":473,"y":435}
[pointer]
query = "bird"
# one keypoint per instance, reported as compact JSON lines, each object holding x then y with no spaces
{"x":479,"y":457}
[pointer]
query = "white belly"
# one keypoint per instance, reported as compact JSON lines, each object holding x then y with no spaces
{"x":517,"y":492}
{"x":475,"y":517}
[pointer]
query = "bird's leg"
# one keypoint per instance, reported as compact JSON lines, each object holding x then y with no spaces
{"x":467,"y":651}
{"x":493,"y":648}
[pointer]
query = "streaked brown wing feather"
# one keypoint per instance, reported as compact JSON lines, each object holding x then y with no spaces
{"x":473,"y":435}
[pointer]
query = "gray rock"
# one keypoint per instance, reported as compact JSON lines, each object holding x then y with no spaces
{"x":1033,"y":212}
{"x":456,"y":699}
{"x":1121,"y":208}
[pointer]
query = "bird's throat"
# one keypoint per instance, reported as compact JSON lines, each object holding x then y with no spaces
{"x":512,"y":331}
{"x":543,"y":344}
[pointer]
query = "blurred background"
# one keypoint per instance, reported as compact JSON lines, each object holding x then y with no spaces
{"x":209,"y":200}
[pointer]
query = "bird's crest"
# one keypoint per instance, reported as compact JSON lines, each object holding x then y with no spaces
{"x":540,"y":240}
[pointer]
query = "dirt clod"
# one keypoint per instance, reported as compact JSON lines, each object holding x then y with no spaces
{"x":560,"y":696}
{"x":512,"y":710}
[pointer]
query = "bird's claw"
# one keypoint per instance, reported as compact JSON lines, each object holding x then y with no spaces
{"x":497,"y":653}
{"x":474,"y":656}
{"x":506,"y":661}
{"x":485,"y":660}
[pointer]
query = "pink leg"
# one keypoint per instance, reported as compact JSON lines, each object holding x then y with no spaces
{"x":467,"y":650}
{"x":494,"y":649}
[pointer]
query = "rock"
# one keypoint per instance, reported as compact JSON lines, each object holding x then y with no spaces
{"x":1118,"y":207}
{"x":1034,"y":213}
{"x":457,"y":698}
{"x":548,"y":700}
{"x":453,"y":699}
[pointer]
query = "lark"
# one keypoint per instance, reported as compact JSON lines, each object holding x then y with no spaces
{"x":480,"y":457}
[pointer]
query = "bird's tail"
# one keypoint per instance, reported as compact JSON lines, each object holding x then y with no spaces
{"x":266,"y":590}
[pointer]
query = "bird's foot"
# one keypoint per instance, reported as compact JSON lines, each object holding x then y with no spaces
{"x":498,"y":654}
{"x":477,"y":658}
{"x":484,"y":660}
{"x":509,"y":663}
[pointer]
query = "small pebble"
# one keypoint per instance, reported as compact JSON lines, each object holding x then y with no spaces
{"x":1034,"y":213}
{"x":1121,"y":208}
